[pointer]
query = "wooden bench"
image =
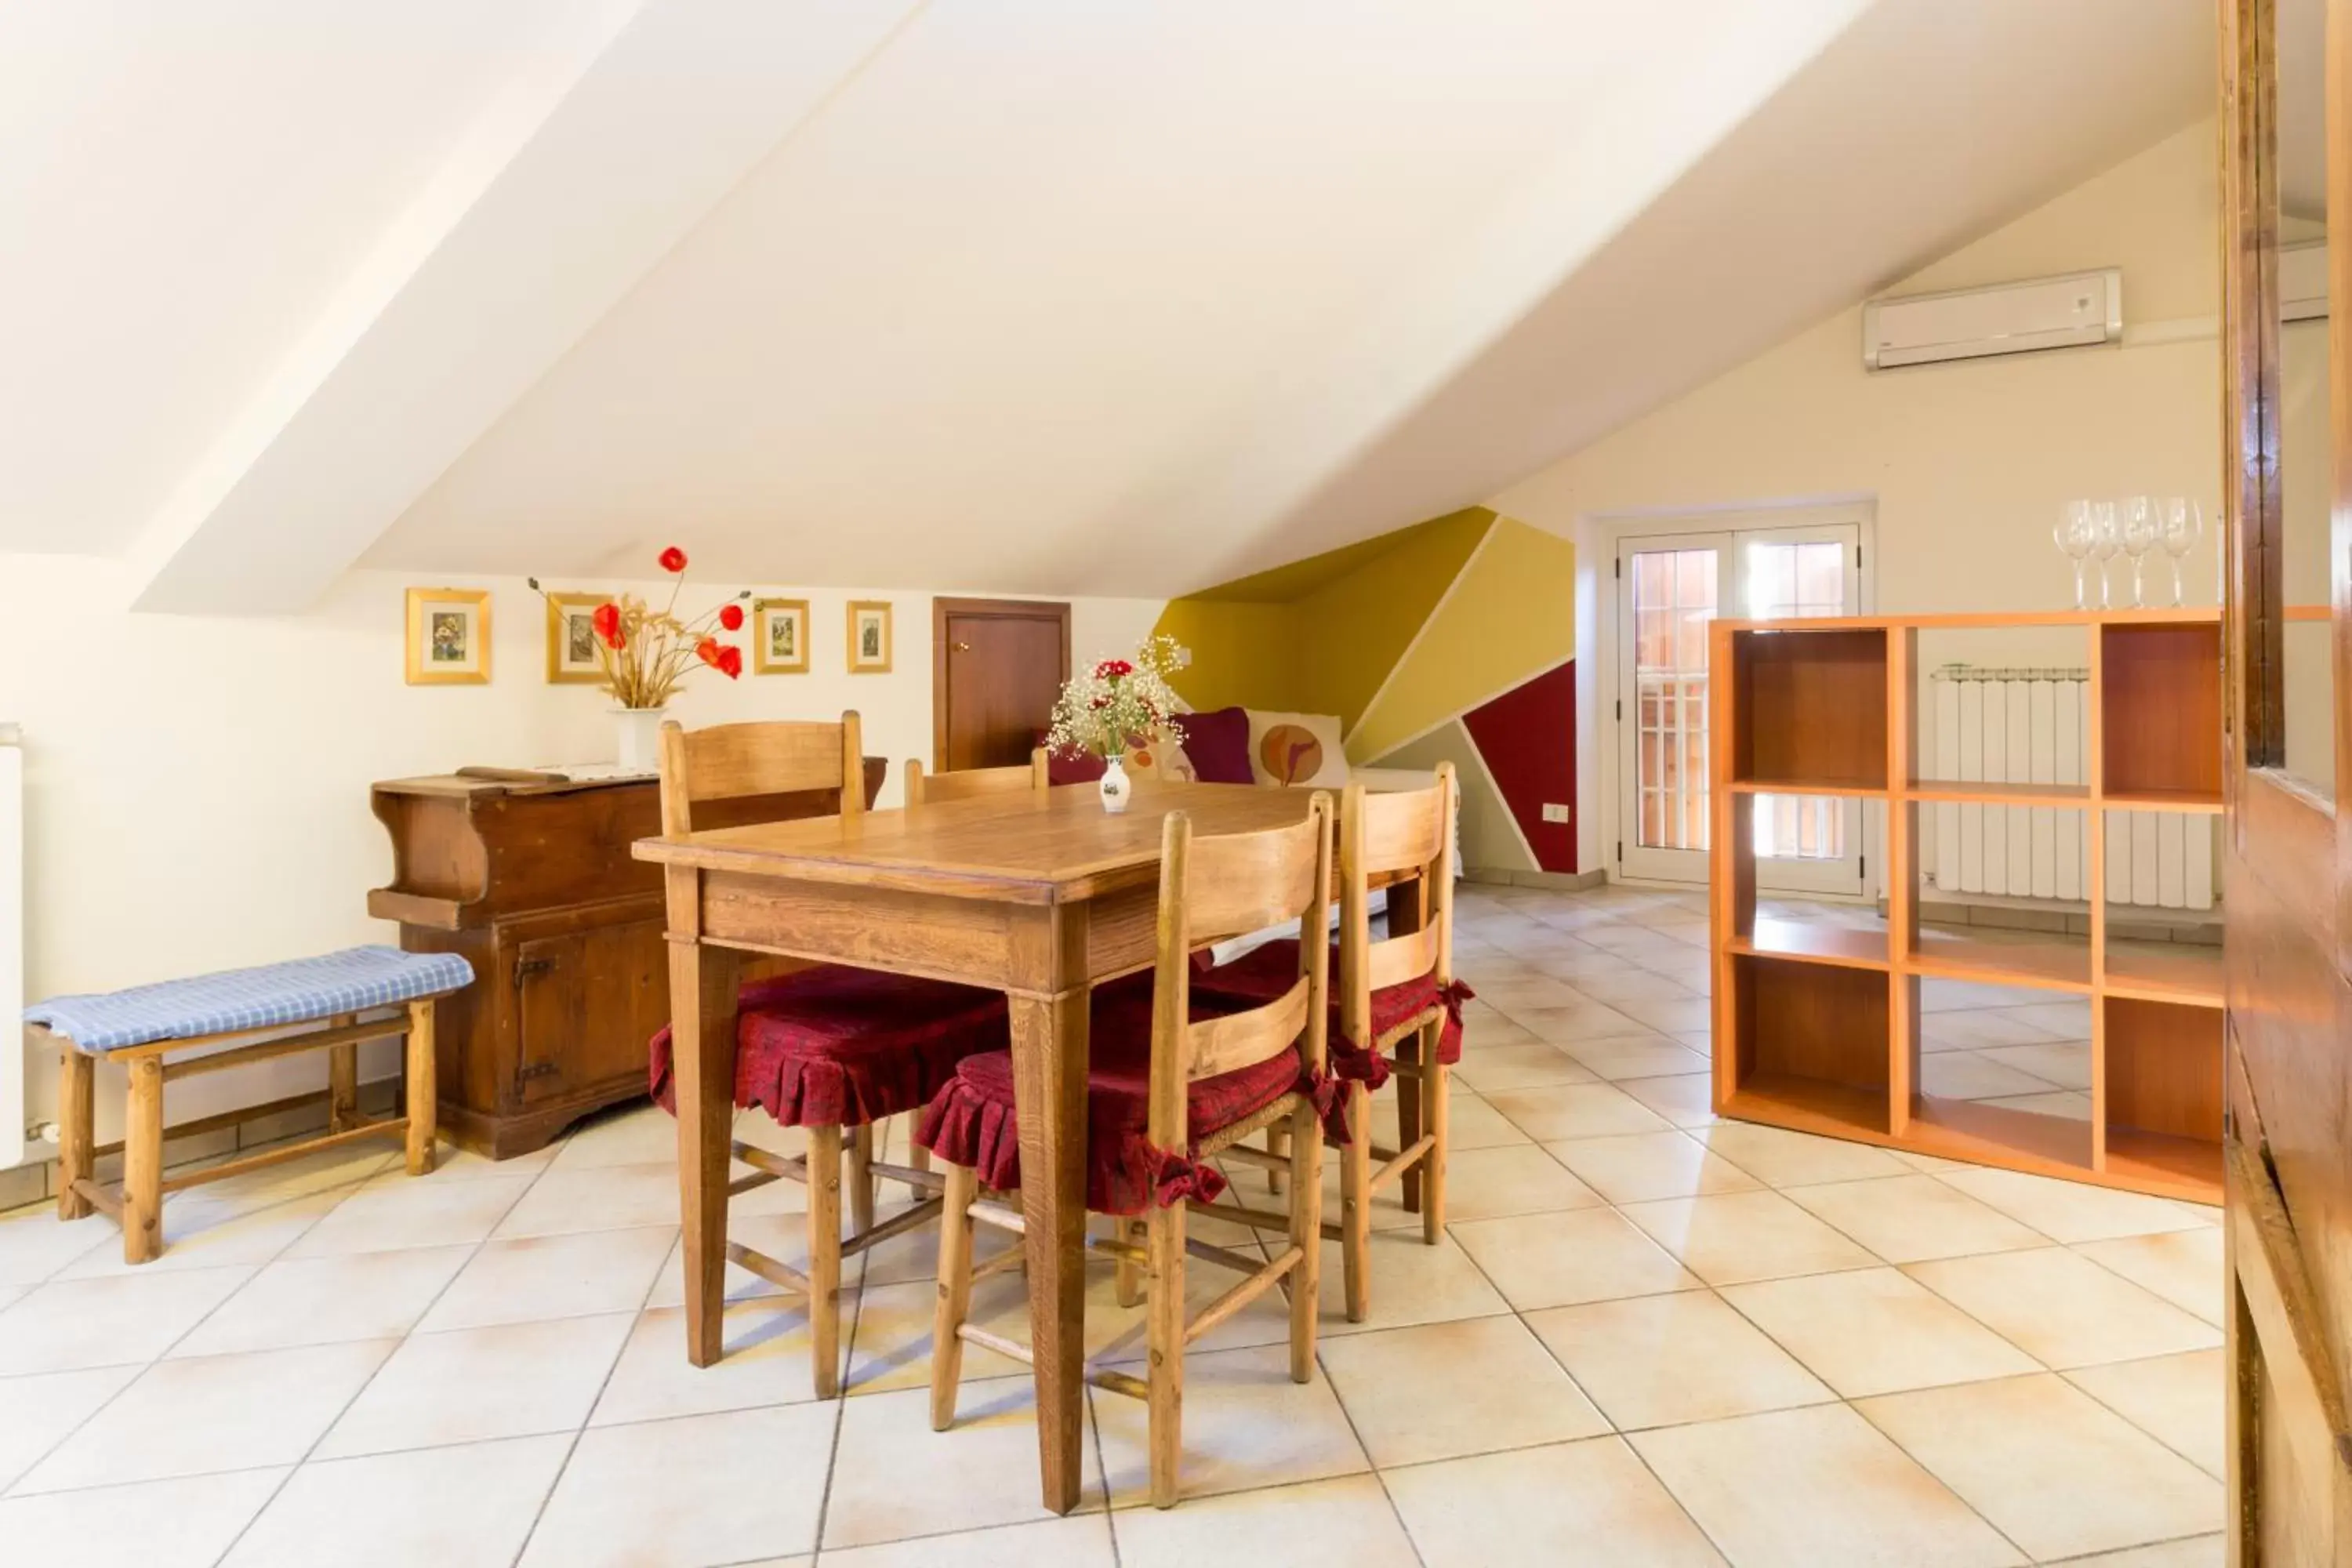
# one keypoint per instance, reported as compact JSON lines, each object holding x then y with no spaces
{"x":211,"y":1023}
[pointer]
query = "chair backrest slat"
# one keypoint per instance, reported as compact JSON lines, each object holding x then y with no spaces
{"x":964,"y":783}
{"x":730,"y":761}
{"x":1398,"y":959}
{"x":1208,"y":887}
{"x":1404,"y":831}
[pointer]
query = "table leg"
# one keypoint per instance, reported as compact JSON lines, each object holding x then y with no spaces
{"x":1049,"y":1086}
{"x":702,"y":1055}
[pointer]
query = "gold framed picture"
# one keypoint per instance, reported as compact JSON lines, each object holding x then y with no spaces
{"x":449,"y":637}
{"x":869,"y":636}
{"x":780,"y":630}
{"x":572,"y":642}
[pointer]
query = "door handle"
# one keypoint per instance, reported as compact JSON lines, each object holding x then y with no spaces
{"x":959,"y":647}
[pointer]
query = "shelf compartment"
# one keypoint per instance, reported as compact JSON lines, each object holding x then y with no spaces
{"x":2184,"y":973}
{"x":2160,"y":710}
{"x":2202,"y":802}
{"x":1814,"y":942}
{"x":1809,"y":710}
{"x":1810,"y":1105}
{"x":1962,"y":791}
{"x":2163,"y":1070}
{"x":1812,"y":1035}
{"x":2171,"y":1167}
{"x":2050,"y":963}
{"x":2002,"y":1135}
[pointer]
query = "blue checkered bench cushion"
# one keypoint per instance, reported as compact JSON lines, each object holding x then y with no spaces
{"x":271,"y":995}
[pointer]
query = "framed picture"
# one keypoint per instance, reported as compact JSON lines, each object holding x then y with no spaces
{"x":449,"y":637}
{"x":571,"y":639}
{"x":869,"y":636}
{"x":779,"y":636}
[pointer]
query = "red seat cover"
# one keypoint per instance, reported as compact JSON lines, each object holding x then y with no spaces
{"x":1267,"y":971}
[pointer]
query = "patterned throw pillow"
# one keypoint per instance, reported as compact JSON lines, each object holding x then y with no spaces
{"x":1296,"y":749}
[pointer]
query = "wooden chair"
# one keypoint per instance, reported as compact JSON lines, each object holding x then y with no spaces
{"x":826,"y":1048}
{"x":1177,"y":1089}
{"x":1396,"y":995}
{"x":964,"y":783}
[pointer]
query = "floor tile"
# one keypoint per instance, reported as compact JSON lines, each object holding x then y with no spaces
{"x":2072,"y":1104}
{"x":1657,"y":1361}
{"x":1559,"y":1260}
{"x":1690,"y":1015}
{"x":730,"y":1487}
{"x":1565,"y":1025}
{"x":414,"y":1212}
{"x":1246,"y":1426}
{"x":319,"y":1301}
{"x":1644,"y":1166}
{"x":2178,"y":1400}
{"x":1345,"y":1523}
{"x":1440,"y":1391}
{"x":1472,"y":1122}
{"x":981,"y":1472}
{"x":43,"y":1409}
{"x":2065,"y":1063}
{"x":1486,"y":1184}
{"x":1574,"y":1110}
{"x":1726,"y":1238}
{"x":633,"y":1135}
{"x":1977,"y":1028}
{"x":515,"y":1380}
{"x":212,"y":1413}
{"x":552,"y":1276}
{"x":1080,"y":1541}
{"x":1630,"y":985}
{"x":466,"y":1507}
{"x":2054,"y":1470}
{"x":1906,"y":1220}
{"x":1800,"y":1489}
{"x":1488,"y":1068}
{"x":202,"y":1234}
{"x":1875,"y":1330}
{"x":1685,"y":1099}
{"x":35,"y":1243}
{"x":622,"y":1197}
{"x":2184,"y":1267}
{"x":1412,"y":1283}
{"x":1657,"y":1057}
{"x":2063,"y":1310}
{"x":2069,"y":1211}
{"x":1964,"y":1075}
{"x":1521,"y":1510}
{"x":766,"y":1361}
{"x":1785,"y":1158}
{"x":183,"y":1523}
{"x":783,"y":1236}
{"x":2196,"y":1552}
{"x":109,"y":1321}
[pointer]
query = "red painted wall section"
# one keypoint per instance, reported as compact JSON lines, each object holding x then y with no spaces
{"x":1527,"y":737}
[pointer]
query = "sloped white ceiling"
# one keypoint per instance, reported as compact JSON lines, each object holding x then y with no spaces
{"x":1105,"y":296}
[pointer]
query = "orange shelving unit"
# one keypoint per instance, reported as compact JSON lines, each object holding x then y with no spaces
{"x":1817,"y":1027}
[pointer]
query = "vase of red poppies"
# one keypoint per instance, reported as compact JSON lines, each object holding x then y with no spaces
{"x":640,"y":738}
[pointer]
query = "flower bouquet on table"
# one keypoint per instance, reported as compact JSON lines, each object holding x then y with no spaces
{"x":1118,"y":706}
{"x":645,"y":655}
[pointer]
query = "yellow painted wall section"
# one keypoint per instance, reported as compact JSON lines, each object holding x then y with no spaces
{"x":1352,"y":632}
{"x":1511,"y":615}
{"x":1242,"y":653}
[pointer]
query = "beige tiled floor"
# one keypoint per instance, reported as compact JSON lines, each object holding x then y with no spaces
{"x":1647,"y":1340}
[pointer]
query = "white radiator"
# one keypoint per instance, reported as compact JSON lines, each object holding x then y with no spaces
{"x":2031,"y":726}
{"x":12,"y":948}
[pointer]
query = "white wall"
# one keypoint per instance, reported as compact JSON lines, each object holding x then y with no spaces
{"x":197,"y":788}
{"x":1967,"y":465}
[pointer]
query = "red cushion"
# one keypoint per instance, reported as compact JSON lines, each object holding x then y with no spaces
{"x":970,"y":1120}
{"x":836,"y":1046}
{"x":1218,"y":743}
{"x":1269,"y":971}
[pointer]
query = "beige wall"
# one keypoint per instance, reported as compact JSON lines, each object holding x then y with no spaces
{"x":1966,"y":465}
{"x":197,"y":788}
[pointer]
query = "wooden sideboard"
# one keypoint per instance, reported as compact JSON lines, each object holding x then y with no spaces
{"x":530,"y":878}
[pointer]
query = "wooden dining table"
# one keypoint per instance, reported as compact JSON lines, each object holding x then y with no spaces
{"x":1039,"y":895}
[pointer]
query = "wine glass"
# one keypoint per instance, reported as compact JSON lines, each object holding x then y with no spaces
{"x":2180,"y":522}
{"x":2107,"y":540}
{"x":2075,"y":534}
{"x":2138,"y":529}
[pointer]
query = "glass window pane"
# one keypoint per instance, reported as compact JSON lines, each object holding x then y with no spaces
{"x":1771,"y":579}
{"x":1820,"y":579}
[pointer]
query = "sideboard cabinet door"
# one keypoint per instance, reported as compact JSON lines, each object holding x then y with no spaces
{"x":587,"y":1002}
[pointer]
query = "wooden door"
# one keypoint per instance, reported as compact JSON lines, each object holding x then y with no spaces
{"x":996,"y":667}
{"x":588,"y":998}
{"x":2287,"y":1064}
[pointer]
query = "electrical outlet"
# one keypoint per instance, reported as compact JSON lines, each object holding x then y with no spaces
{"x":1553,"y":812}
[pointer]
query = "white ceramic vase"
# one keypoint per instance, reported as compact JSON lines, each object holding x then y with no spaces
{"x":640,"y":738}
{"x":1116,"y":786}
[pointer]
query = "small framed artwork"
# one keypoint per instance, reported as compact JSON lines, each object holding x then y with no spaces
{"x":449,"y":637}
{"x":869,"y":636}
{"x":779,"y":636}
{"x":571,"y":641}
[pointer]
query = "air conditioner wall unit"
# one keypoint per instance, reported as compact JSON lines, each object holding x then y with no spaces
{"x":2079,"y":309}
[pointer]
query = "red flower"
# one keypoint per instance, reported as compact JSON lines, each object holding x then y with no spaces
{"x":673,"y":559}
{"x":731,"y":662}
{"x":732,"y":617}
{"x":1113,"y":670}
{"x":607,"y":621}
{"x":707,"y":651}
